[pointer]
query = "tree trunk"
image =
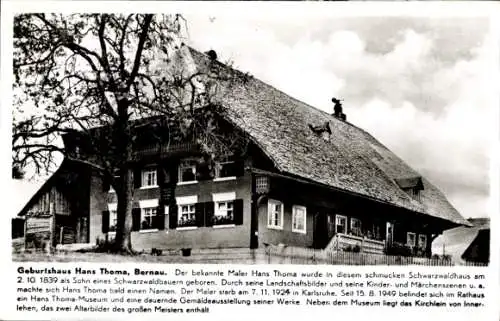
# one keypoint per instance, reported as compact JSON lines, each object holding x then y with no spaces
{"x":125,"y":192}
{"x":123,"y":242}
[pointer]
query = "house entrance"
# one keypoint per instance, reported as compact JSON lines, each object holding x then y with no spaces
{"x":323,"y":230}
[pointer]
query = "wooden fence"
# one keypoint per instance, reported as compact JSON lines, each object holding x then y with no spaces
{"x":296,"y":255}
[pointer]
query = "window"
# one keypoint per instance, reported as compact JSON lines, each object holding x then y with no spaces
{"x":299,"y":219}
{"x":411,"y":239}
{"x":262,"y":184}
{"x":187,"y":171}
{"x":413,"y":192}
{"x":187,"y":215}
{"x":422,"y":241}
{"x":375,"y":232}
{"x":275,"y":215}
{"x":225,"y":169}
{"x":148,"y":215}
{"x":149,"y":178}
{"x":113,"y":220}
{"x":224,"y":208}
{"x":416,"y":194}
{"x":340,"y":224}
{"x":187,"y":211}
{"x":224,"y":213}
{"x":356,"y":227}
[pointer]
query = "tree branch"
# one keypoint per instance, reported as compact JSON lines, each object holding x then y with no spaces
{"x":138,"y":53}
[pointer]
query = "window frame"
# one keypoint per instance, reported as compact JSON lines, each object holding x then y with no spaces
{"x":294,"y":220}
{"x":226,"y":198}
{"x":148,"y":204}
{"x":186,"y":201}
{"x":180,"y":169}
{"x":274,"y":203}
{"x":218,"y":168}
{"x":337,"y":217}
{"x":351,"y":226}
{"x":217,"y":213}
{"x":190,"y":213}
{"x":154,"y":212}
{"x":408,"y":239}
{"x":416,"y":194}
{"x":144,"y":178}
{"x":424,"y":245}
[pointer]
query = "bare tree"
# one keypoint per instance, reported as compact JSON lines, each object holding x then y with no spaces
{"x":95,"y":74}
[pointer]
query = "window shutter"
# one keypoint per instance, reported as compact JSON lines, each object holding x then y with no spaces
{"x":160,"y":218}
{"x":137,"y":177}
{"x":209,"y":213}
{"x":239,"y":168}
{"x":136,"y":219}
{"x":200,"y":214}
{"x":238,"y":211}
{"x":172,"y":215}
{"x":105,"y":221}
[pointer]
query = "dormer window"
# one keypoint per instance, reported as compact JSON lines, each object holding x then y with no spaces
{"x":411,"y":186}
{"x":413,"y":192}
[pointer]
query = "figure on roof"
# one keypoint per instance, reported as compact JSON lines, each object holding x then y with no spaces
{"x":337,"y":108}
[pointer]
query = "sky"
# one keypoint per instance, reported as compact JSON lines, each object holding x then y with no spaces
{"x":419,"y":85}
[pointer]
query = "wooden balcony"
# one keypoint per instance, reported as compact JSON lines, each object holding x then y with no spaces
{"x":165,"y":150}
{"x":345,"y":242}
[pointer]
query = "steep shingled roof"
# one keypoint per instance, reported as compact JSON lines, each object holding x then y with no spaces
{"x":351,"y":159}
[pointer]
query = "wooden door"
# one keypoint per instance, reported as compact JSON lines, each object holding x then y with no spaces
{"x":320,"y":230}
{"x":330,"y":222}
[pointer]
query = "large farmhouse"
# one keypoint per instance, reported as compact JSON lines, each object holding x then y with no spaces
{"x":308,"y":179}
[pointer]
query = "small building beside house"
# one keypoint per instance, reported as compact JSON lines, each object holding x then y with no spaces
{"x":465,"y":244}
{"x":58,"y":212}
{"x":308,"y":179}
